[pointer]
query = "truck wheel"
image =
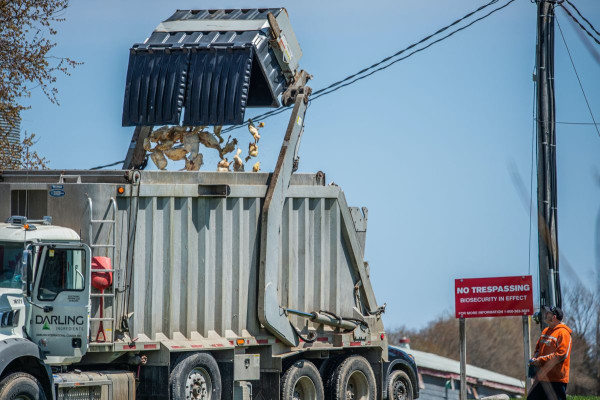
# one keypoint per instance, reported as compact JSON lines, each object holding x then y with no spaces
{"x":353,"y":379}
{"x":302,"y":381}
{"x":21,"y":386}
{"x":399,"y":386}
{"x":196,"y":376}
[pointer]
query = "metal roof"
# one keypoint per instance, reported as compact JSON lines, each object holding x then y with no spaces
{"x":208,"y":64}
{"x":438,"y":363}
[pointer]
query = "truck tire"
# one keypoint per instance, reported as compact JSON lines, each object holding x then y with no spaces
{"x":302,"y":381}
{"x":399,"y":386}
{"x":352,"y":379}
{"x":196,"y":376}
{"x":22,"y":386}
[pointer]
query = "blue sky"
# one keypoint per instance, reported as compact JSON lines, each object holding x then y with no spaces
{"x":427,"y":145}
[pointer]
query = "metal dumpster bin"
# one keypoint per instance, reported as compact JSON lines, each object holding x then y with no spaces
{"x":209,"y":65}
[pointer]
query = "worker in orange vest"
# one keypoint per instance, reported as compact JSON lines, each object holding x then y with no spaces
{"x":551,"y":358}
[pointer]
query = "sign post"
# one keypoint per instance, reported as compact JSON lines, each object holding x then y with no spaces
{"x":526,"y":348}
{"x":492,"y":297}
{"x":463,"y":359}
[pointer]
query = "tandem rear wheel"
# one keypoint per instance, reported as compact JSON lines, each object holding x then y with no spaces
{"x":301,"y":381}
{"x":351,"y":379}
{"x":196,"y":376}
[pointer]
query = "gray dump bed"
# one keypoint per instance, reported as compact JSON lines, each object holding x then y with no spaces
{"x":189,"y":244}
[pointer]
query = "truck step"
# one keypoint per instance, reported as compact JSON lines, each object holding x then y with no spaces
{"x":102,"y":295}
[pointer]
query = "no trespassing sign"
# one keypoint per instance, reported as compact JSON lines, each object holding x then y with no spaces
{"x":493,"y":297}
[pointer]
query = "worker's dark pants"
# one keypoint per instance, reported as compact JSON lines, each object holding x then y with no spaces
{"x":548,"y":391}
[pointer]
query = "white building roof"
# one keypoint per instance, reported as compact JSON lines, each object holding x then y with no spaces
{"x":433,"y":362}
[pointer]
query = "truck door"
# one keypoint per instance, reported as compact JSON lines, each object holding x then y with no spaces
{"x":60,"y":302}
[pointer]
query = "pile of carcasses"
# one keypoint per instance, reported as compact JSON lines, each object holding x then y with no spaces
{"x":178,"y":143}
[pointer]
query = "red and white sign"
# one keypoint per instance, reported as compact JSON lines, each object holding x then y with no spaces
{"x":493,"y":297}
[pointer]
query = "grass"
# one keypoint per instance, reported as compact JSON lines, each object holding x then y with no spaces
{"x":583,"y":398}
{"x":572,"y":398}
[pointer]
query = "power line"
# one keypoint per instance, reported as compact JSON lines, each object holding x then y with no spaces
{"x":107,"y":165}
{"x":409,"y":55}
{"x":571,"y":122}
{"x":349,"y":79}
{"x":584,"y":18}
{"x":386,"y":59}
{"x":580,"y":25}
{"x":576,"y":123}
{"x":533,"y":155}
{"x":577,"y":75}
{"x":260,"y":117}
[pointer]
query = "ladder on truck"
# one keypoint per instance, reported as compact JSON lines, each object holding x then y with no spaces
{"x":109,"y":293}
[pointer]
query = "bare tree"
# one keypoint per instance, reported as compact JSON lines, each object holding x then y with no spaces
{"x":497,"y":343}
{"x":492,"y":343}
{"x":582,"y":307}
{"x":581,"y":311}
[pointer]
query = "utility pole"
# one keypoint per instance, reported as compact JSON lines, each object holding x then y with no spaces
{"x":550,"y":294}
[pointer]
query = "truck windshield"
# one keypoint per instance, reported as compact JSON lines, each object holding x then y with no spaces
{"x":10,"y":264}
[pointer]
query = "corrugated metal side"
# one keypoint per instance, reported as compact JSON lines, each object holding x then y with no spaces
{"x":316,"y":273}
{"x":195,"y":260}
{"x":196,"y":263}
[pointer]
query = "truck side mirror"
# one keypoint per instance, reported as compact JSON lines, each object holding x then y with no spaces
{"x":24,"y":268}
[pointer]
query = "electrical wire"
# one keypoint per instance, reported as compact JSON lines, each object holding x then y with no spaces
{"x":578,"y":79}
{"x":320,"y":93}
{"x":584,"y":18}
{"x":580,"y":24}
{"x":533,"y":154}
{"x":574,"y":123}
{"x":386,"y":59}
{"x":349,"y":79}
{"x":130,"y":247}
{"x":260,"y":117}
{"x":577,"y":123}
{"x":107,"y":165}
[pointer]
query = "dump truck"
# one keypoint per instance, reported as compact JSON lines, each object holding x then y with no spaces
{"x":193,"y":285}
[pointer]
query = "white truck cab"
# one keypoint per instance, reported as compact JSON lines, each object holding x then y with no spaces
{"x":44,"y":299}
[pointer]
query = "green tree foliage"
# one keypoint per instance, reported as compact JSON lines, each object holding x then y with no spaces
{"x":26,"y":59}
